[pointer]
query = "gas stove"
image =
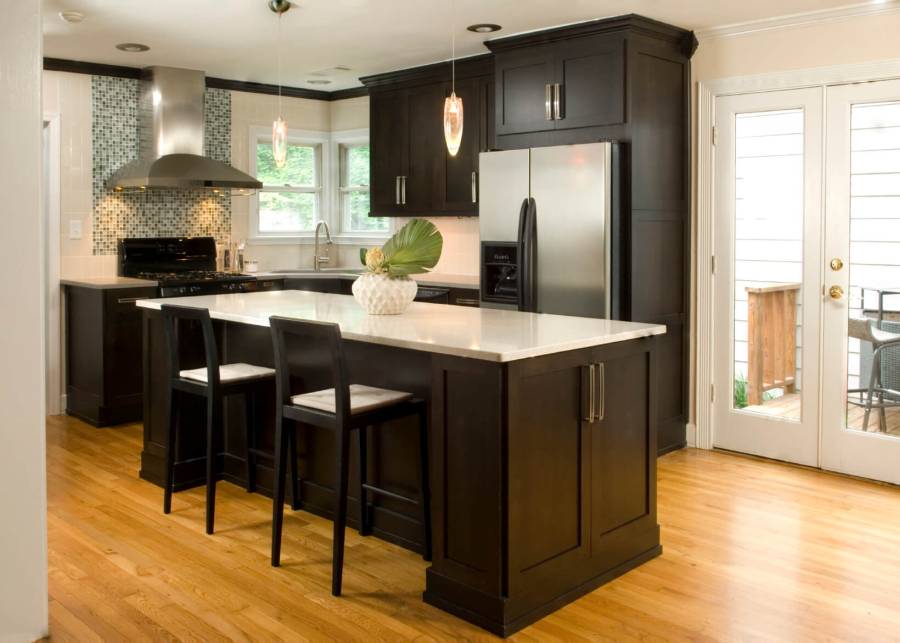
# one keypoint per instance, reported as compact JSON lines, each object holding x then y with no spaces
{"x":181,"y":266}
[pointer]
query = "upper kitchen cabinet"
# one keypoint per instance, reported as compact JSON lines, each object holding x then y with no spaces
{"x":412,"y":172}
{"x":572,"y":83}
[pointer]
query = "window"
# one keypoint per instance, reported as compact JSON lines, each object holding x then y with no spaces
{"x":325,"y":178}
{"x":290,"y":201}
{"x":353,"y":190}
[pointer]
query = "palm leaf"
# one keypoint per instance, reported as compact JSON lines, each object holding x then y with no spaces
{"x":413,"y":249}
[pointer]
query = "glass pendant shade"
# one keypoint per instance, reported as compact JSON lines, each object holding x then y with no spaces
{"x":279,"y":142}
{"x":453,"y":122}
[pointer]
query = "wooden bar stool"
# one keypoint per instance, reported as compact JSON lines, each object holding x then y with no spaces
{"x":344,"y":408}
{"x":213,"y":382}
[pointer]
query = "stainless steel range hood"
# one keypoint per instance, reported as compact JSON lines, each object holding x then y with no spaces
{"x":170,"y":124}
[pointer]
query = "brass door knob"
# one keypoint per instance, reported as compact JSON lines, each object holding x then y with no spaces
{"x":836,"y":292}
{"x":836,"y":264}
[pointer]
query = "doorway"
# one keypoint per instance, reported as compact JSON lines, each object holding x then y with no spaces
{"x":52,"y":297}
{"x":805,"y":290}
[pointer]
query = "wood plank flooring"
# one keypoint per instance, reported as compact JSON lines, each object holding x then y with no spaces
{"x":788,"y":406}
{"x":753,"y":550}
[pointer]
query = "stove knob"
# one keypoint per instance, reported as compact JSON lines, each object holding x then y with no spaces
{"x":195,"y":289}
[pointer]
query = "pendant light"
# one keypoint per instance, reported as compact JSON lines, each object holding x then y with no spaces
{"x":279,"y":126}
{"x":453,"y":105}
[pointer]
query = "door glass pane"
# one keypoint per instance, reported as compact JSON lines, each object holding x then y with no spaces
{"x":768,"y":262}
{"x":873,"y":359}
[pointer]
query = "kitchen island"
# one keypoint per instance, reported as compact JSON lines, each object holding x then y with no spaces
{"x":542,"y":441}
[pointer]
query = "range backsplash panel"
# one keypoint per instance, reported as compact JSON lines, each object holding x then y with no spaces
{"x":154,"y":213}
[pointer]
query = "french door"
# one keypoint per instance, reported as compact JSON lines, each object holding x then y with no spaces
{"x":767,"y":274}
{"x":861,"y":317}
{"x":807,"y":290}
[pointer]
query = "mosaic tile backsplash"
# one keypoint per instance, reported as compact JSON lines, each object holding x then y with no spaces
{"x":154,"y":213}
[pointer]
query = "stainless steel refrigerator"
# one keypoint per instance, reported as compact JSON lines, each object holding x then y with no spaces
{"x":546,"y":217}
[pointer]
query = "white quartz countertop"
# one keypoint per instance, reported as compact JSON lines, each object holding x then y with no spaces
{"x":105,"y":283}
{"x":480,"y":333}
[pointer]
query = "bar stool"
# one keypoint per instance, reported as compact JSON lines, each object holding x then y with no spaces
{"x":213,"y":382}
{"x":344,"y":408}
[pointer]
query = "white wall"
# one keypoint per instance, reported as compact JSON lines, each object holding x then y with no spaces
{"x":23,"y":531}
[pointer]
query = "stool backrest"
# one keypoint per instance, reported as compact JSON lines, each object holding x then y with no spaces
{"x":306,"y":335}
{"x":172,"y":318}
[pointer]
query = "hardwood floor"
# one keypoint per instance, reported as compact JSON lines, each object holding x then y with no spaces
{"x":752,"y":550}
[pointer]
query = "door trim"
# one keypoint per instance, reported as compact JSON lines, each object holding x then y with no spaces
{"x":707,"y":92}
{"x":53,"y":307}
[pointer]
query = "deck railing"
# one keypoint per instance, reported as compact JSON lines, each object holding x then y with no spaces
{"x":772,"y":339}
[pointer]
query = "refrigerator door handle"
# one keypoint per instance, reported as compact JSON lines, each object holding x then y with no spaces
{"x":527,"y":263}
{"x":522,"y":259}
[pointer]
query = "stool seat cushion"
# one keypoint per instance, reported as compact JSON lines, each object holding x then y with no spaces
{"x":362,"y":398}
{"x":229,"y":373}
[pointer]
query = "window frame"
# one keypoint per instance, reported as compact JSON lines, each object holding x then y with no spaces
{"x":320,"y":142}
{"x":328,"y":188}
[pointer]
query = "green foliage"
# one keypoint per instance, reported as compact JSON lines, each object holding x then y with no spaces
{"x":362,"y":256}
{"x":299,"y":169}
{"x":740,"y":392}
{"x":414,"y":248}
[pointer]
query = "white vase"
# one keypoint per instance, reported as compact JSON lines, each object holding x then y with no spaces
{"x":383,"y":295}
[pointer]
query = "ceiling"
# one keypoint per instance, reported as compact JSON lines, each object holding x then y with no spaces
{"x":236,"y":39}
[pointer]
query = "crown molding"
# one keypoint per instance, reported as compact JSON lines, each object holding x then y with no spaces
{"x":118,"y":71}
{"x":801,"y":19}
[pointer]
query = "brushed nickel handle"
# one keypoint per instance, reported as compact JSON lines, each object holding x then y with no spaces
{"x":557,"y":112}
{"x":397,"y":190}
{"x":466,"y":301}
{"x":591,"y":387}
{"x":548,"y":102}
{"x":474,"y":186}
{"x":131,"y":300}
{"x":402,"y":190}
{"x":601,"y":391}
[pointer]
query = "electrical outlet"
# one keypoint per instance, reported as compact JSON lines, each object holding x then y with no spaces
{"x":75,"y":229}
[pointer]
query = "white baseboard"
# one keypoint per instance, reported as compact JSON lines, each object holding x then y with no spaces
{"x":691,"y":434}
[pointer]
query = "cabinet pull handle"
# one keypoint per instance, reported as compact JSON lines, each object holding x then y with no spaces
{"x":466,"y":301}
{"x":557,"y":112}
{"x":396,"y":190}
{"x":474,"y":186}
{"x":130,"y":300}
{"x":548,"y":102}
{"x":601,"y":391}
{"x":591,"y":387}
{"x":402,"y":190}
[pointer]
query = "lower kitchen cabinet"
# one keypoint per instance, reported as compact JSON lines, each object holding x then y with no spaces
{"x":104,"y":382}
{"x":561,"y":479}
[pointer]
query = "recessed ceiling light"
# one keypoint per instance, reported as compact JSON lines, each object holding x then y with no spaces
{"x":319,"y":81}
{"x":132,"y":47}
{"x":484,"y":27}
{"x":71,"y":16}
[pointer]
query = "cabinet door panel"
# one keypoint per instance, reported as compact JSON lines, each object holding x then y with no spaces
{"x":426,"y":149}
{"x":591,"y":73}
{"x":620,"y":443}
{"x":521,"y":81}
{"x":549,"y":473}
{"x":389,"y":149}
{"x":460,"y":171}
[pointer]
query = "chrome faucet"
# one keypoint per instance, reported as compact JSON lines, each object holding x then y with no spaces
{"x":319,"y":260}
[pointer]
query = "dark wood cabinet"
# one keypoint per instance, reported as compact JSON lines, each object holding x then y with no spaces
{"x":389,"y":136}
{"x":578,"y":505}
{"x":627,"y":80}
{"x":568,"y":84}
{"x":103,"y":354}
{"x":411,"y":171}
